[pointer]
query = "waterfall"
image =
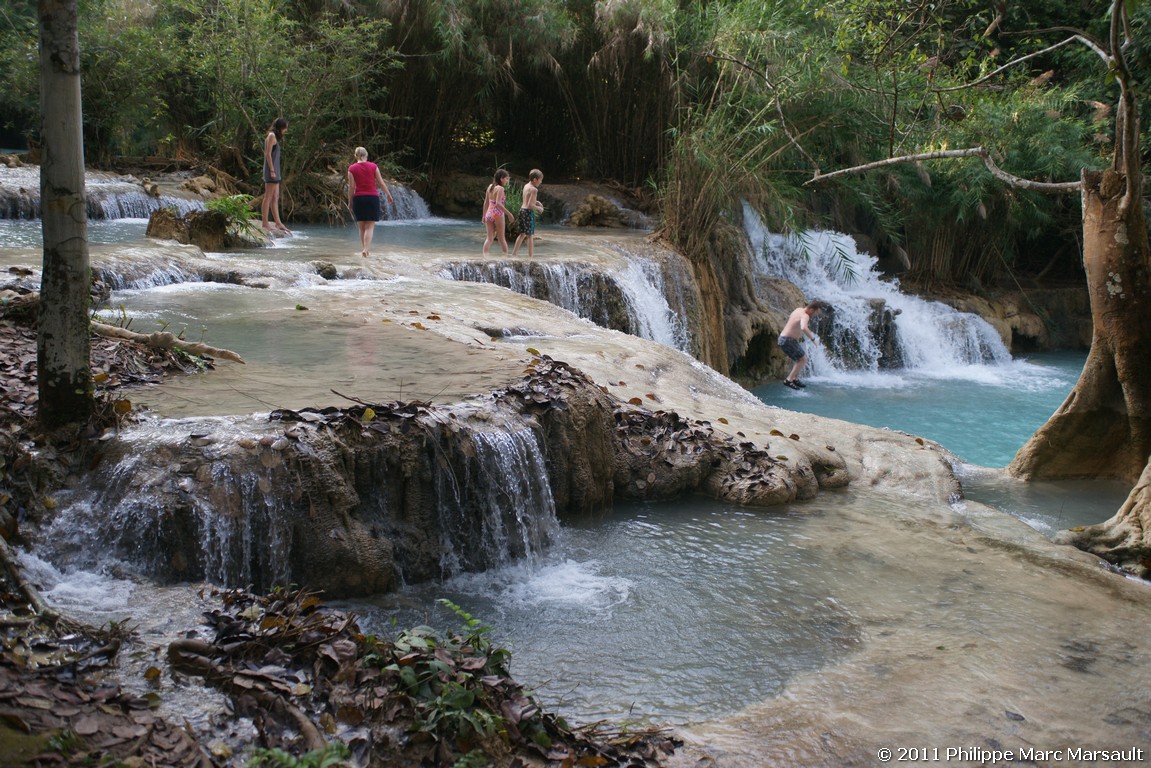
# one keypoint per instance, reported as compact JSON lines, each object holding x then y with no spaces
{"x":496,"y":505}
{"x":629,"y":297}
{"x":921,"y":335}
{"x":124,"y":200}
{"x":576,"y":287}
{"x":120,"y":517}
{"x":107,"y":196}
{"x":122,"y":197}
{"x":139,"y":268}
{"x":203,"y":499}
{"x":646,"y":294}
{"x":408,"y":205}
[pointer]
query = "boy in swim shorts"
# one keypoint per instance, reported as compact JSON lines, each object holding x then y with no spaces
{"x":526,"y":220}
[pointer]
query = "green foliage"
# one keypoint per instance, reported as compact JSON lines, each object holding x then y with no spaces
{"x":238,"y":213}
{"x":515,"y":196}
{"x":65,"y":742}
{"x":444,"y":677}
{"x":733,"y":145}
{"x":466,"y":63}
{"x":792,"y":88}
{"x":128,"y":53}
{"x":19,"y":66}
{"x":334,"y":755}
{"x":252,"y":64}
{"x":474,"y":759}
{"x":119,"y":318}
{"x":237,"y":208}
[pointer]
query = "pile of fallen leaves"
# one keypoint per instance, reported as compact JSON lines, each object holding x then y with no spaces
{"x":58,"y":705}
{"x":309,"y":678}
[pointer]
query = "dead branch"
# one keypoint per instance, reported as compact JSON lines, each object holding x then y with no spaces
{"x":1007,"y":178}
{"x":1074,"y":38}
{"x":164,"y":340}
{"x":195,"y":657}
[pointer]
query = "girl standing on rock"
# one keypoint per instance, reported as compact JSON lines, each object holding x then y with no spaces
{"x":272,"y":176}
{"x":495,"y":213}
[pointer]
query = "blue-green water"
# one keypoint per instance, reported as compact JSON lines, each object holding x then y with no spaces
{"x":984,"y":416}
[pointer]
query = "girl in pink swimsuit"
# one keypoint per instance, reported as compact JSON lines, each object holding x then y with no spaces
{"x":495,"y":211}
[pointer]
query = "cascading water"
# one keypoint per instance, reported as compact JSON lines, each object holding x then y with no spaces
{"x":555,"y":282}
{"x":924,"y":336}
{"x":107,"y":196}
{"x":408,"y":205}
{"x":644,"y":288}
{"x":628,"y":295}
{"x":118,"y":516}
{"x":121,"y":197}
{"x":499,"y":508}
{"x":193,"y":499}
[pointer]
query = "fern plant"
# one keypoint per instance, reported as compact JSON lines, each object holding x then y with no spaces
{"x":237,"y":210}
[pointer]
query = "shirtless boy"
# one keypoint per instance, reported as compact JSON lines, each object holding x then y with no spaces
{"x":791,"y":336}
{"x":526,"y":220}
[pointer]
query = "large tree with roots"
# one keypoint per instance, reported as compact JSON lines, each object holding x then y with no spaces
{"x":1103,"y":429}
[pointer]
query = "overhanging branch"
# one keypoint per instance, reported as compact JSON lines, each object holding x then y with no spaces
{"x":943,"y":154}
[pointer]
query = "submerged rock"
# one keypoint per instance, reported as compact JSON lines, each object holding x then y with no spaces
{"x":210,"y":230}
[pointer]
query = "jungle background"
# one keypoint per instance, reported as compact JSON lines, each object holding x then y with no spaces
{"x":698,"y":104}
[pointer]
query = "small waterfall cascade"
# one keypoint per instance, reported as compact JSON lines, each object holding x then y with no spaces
{"x":140,"y":267}
{"x":408,"y":205}
{"x":216,"y":500}
{"x":125,"y":516}
{"x":496,"y":505}
{"x":108,"y":196}
{"x":630,"y":297}
{"x":129,"y":201}
{"x":647,"y":295}
{"x":143,"y":268}
{"x":111,"y":196}
{"x":874,"y":325}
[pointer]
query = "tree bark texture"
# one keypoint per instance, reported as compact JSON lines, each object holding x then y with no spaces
{"x":1103,"y":428}
{"x":63,"y":345}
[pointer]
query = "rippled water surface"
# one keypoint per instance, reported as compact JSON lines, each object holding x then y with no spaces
{"x":664,"y":613}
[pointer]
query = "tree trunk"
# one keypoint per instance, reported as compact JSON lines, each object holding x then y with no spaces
{"x":1103,"y":429}
{"x":63,"y":346}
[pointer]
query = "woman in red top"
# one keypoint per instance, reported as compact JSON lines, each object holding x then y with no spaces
{"x":363,"y":200}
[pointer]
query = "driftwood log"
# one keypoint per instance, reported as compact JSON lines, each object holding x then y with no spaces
{"x":28,"y":305}
{"x":164,"y":340}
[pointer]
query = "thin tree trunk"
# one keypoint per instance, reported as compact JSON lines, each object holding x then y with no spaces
{"x":63,"y":346}
{"x":1103,"y":428}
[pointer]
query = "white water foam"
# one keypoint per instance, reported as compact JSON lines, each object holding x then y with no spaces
{"x":79,"y":590}
{"x":568,"y":584}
